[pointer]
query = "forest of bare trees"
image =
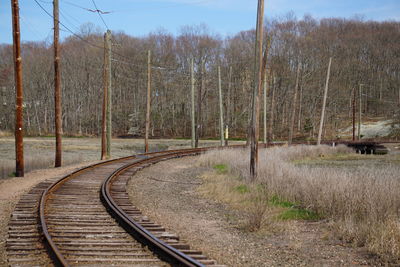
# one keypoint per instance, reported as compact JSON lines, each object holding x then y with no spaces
{"x":363,"y":52}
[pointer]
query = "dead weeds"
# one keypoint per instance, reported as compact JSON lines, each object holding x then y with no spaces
{"x":357,"y":193}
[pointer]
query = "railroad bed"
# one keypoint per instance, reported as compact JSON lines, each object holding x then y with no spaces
{"x":86,"y":218}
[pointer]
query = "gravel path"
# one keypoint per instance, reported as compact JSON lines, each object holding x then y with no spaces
{"x":167,"y":193}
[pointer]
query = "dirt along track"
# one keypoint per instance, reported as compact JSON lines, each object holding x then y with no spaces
{"x":79,"y":229}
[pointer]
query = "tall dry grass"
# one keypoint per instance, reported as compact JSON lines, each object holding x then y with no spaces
{"x":7,"y":167}
{"x":5,"y":133}
{"x":363,"y":203}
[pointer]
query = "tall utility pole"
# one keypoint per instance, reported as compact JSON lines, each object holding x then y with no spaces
{"x":272,"y":113}
{"x":254,"y":132}
{"x":19,"y":142}
{"x":321,"y":124}
{"x":57,"y":87}
{"x":192,"y":98}
{"x":292,"y":119}
{"x":266,"y":88}
{"x":265,"y":108}
{"x":201,"y":87}
{"x":360,"y":110}
{"x":221,"y":108}
{"x":354,"y":113}
{"x":146,"y":138}
{"x":109,"y":95}
{"x":105,"y":100}
{"x":106,"y":124}
{"x":228,"y":105}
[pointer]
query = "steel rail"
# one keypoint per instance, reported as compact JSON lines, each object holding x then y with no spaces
{"x":161,"y":248}
{"x":54,"y":253}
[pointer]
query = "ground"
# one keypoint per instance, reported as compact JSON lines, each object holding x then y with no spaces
{"x":39,"y":153}
{"x":372,"y":129}
{"x":176,"y":203}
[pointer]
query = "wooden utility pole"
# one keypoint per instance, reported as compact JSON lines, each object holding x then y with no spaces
{"x":201,"y":87}
{"x":19,"y":134}
{"x":292,"y":119}
{"x":107,"y":119}
{"x":221,"y":108}
{"x":109,"y":96}
{"x":321,"y":124}
{"x":146,"y":138}
{"x":105,"y":100}
{"x":272,"y":113}
{"x":265,"y":109}
{"x":192,"y":98}
{"x":354,"y":113}
{"x":228,"y":106}
{"x":57,"y":86}
{"x":300,"y":108}
{"x":360,"y":110}
{"x":254,"y":132}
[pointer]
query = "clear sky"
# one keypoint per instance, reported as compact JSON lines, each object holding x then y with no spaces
{"x":139,"y":17}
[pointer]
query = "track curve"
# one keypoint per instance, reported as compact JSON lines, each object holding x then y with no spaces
{"x":165,"y":244}
{"x":80,"y":230}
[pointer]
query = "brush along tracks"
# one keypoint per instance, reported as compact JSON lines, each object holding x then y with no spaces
{"x":86,"y":218}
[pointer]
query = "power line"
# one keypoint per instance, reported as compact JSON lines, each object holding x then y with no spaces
{"x":66,"y":19}
{"x":168,"y":6}
{"x":99,"y":12}
{"x":115,"y":53}
{"x":68,"y":29}
{"x":87,"y":9}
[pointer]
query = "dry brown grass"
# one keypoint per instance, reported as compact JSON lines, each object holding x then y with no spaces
{"x":5,"y":134}
{"x":7,"y":167}
{"x":361,"y":200}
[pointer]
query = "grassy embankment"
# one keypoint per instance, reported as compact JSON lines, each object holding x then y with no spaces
{"x":357,"y":194}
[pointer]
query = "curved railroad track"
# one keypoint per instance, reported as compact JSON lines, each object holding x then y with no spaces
{"x":86,"y":218}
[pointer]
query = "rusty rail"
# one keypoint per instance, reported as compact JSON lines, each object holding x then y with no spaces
{"x":161,"y":248}
{"x":54,"y":252}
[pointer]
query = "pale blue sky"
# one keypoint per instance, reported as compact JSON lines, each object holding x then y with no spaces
{"x":139,"y":17}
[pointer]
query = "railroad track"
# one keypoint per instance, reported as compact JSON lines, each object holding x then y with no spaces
{"x":86,"y":218}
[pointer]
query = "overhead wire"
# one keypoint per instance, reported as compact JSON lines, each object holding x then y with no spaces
{"x":85,"y":8}
{"x":68,"y":29}
{"x":81,"y":38}
{"x":100,"y":47}
{"x":66,"y":19}
{"x":157,"y":67}
{"x":99,"y":12}
{"x":168,"y":6}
